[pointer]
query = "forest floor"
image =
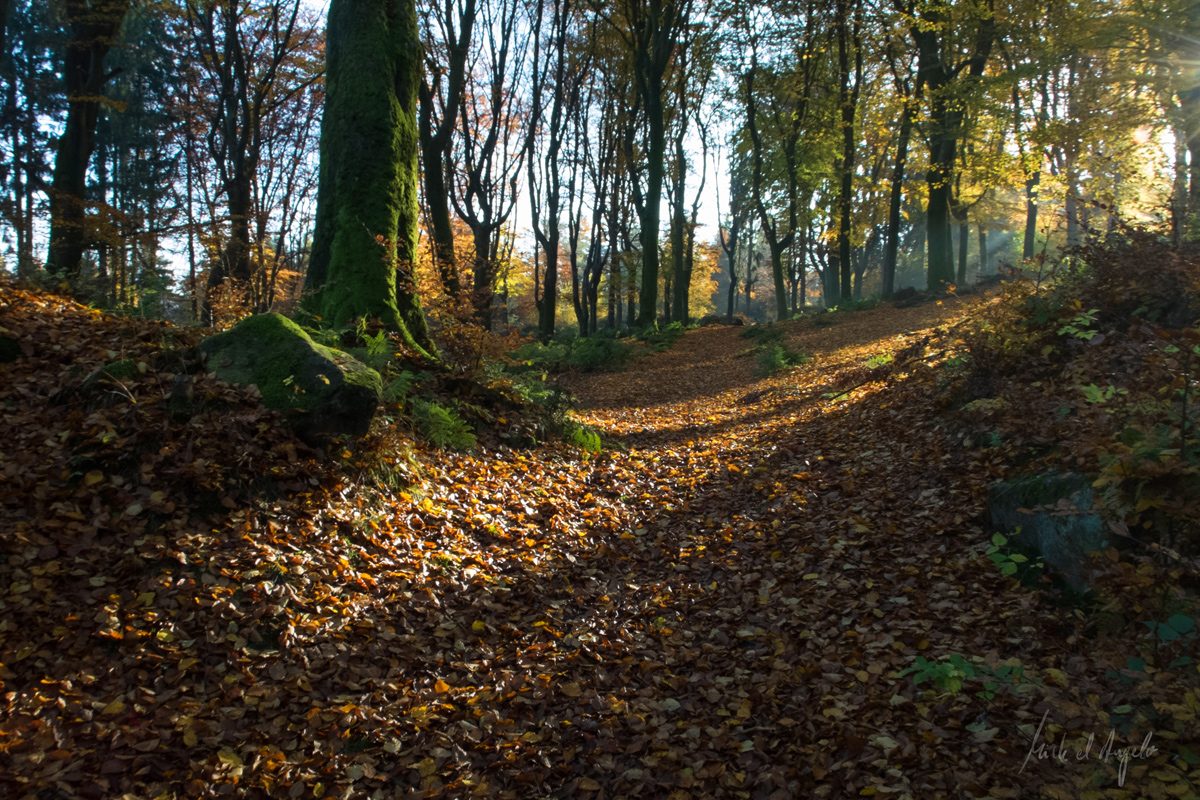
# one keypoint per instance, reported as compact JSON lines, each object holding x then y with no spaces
{"x":719,"y":604}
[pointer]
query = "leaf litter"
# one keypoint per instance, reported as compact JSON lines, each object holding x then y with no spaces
{"x":721,"y":607}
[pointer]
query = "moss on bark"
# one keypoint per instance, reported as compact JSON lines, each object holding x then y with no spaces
{"x":365,"y":242}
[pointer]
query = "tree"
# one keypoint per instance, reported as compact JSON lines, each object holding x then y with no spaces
{"x":30,"y":97}
{"x":908,"y":94}
{"x":249,"y":59}
{"x":849,"y":37}
{"x":558,"y":73}
{"x":440,"y":99}
{"x":730,"y":233}
{"x":364,"y":245}
{"x":948,"y":45}
{"x":94,"y":25}
{"x":491,"y":145}
{"x":651,"y":29}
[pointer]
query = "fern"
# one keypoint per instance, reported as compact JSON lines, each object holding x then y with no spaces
{"x":442,"y":427}
{"x":582,"y":436}
{"x":402,"y":386}
{"x":778,"y":358}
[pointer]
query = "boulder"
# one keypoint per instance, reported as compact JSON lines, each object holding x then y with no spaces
{"x":1063,"y":529}
{"x":322,"y":392}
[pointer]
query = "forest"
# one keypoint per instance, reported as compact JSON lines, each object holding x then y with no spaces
{"x":554,"y":398}
{"x":837,"y":150}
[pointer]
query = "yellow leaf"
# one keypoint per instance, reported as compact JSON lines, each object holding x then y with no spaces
{"x":1056,"y":677}
{"x":571,"y":689}
{"x":187,"y":662}
{"x":229,"y":757}
{"x":477,"y":626}
{"x":115,"y":707}
{"x":426,"y":767}
{"x":744,"y":709}
{"x":862,"y":676}
{"x":190,"y":739}
{"x":93,"y":477}
{"x":812,"y":576}
{"x":146,"y":598}
{"x":441,"y":686}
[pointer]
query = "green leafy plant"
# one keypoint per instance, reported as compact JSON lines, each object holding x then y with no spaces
{"x":949,"y":673}
{"x":441,"y":426}
{"x":663,"y":338}
{"x":581,"y":436}
{"x":762,"y":333}
{"x":879,"y":360}
{"x":1007,"y":562}
{"x":777,"y":358}
{"x":1095,"y":394}
{"x":946,"y":674}
{"x":402,"y":385}
{"x":1080,"y":326}
{"x":1175,"y":628}
{"x":598,"y":354}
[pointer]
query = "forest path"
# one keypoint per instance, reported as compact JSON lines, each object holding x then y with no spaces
{"x":720,"y":606}
{"x":791,"y":553}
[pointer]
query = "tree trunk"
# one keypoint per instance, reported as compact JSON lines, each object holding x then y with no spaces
{"x":680,"y":280}
{"x":94,"y":26}
{"x":891,"y":246}
{"x":434,"y":144}
{"x":437,"y":199}
{"x":1071,"y":203}
{"x":781,"y":299}
{"x":1031,"y":215}
{"x":964,"y":235}
{"x":982,"y":237}
{"x":655,"y":168}
{"x":938,"y":215}
{"x":368,"y":173}
{"x":849,"y":104}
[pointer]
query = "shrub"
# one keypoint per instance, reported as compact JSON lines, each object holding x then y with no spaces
{"x":777,"y":358}
{"x":763,"y":333}
{"x":663,"y":338}
{"x":598,"y":353}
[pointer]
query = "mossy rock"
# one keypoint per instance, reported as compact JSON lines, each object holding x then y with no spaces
{"x":322,"y":391}
{"x":1064,"y":528}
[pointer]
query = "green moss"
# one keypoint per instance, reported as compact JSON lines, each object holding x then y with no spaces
{"x":120,"y":370}
{"x":269,"y":350}
{"x":365,"y":240}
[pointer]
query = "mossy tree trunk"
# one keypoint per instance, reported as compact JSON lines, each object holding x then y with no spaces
{"x":365,"y":242}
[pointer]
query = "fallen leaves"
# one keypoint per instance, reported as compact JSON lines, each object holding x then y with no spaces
{"x":722,"y":609}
